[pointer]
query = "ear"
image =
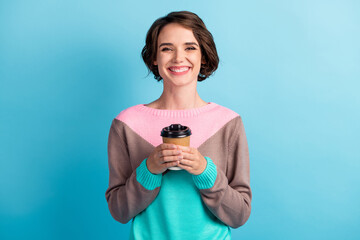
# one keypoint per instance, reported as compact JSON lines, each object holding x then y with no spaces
{"x":155,"y":63}
{"x":203,"y":61}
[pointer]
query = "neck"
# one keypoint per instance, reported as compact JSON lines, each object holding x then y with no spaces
{"x":178,"y":98}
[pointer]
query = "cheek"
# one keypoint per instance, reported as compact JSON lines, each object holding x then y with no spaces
{"x":162,"y":60}
{"x":196,"y":58}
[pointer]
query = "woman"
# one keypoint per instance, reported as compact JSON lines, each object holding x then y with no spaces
{"x":211,"y":193}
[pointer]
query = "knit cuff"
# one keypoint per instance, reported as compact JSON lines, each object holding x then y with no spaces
{"x":207,"y":178}
{"x":146,"y":178}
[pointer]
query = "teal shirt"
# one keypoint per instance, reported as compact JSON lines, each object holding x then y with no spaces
{"x":178,"y":211}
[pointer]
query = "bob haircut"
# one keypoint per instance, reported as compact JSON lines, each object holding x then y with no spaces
{"x":203,"y":36}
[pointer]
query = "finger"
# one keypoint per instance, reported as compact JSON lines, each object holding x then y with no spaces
{"x":184,"y":149}
{"x":170,"y":164}
{"x":188,"y":156}
{"x":187,"y":163}
{"x":185,"y":167}
{"x":165,"y":153}
{"x":164,"y":146}
{"x":171,"y":159}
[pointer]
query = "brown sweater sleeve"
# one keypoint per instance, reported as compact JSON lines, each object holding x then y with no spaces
{"x":229,"y":199}
{"x":126,"y":197}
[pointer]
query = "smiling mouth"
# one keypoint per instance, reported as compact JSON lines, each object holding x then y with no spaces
{"x":179,"y":69}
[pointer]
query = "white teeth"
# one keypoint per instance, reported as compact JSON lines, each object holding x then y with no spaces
{"x":183,"y":69}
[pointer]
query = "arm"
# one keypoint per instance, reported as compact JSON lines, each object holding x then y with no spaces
{"x":126,"y":196}
{"x":228,"y":195}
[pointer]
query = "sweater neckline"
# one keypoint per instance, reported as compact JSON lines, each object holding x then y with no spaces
{"x":192,"y":112}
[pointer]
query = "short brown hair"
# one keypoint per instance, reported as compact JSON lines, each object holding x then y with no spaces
{"x":203,"y":36}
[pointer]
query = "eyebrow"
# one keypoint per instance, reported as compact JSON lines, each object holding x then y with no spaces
{"x":170,"y":44}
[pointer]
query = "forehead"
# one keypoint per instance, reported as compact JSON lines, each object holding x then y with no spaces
{"x":176,"y":34}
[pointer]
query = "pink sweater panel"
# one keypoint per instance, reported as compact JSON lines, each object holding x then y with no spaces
{"x":148,"y":122}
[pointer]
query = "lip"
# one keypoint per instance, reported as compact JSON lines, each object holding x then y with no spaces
{"x":178,"y":68}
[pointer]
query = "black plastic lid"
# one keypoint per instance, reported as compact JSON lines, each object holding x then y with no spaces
{"x":176,"y":131}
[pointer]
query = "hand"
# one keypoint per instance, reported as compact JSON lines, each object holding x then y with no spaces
{"x":192,"y":161}
{"x":164,"y":156}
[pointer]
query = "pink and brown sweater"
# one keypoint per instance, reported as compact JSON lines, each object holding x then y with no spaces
{"x":176,"y":204}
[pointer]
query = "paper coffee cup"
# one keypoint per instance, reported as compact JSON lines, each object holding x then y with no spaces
{"x":176,"y":134}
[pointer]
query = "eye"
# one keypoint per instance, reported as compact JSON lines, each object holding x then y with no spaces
{"x":191,"y":48}
{"x":165,"y":49}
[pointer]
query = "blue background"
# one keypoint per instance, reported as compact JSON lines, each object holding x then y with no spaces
{"x":291,"y":69}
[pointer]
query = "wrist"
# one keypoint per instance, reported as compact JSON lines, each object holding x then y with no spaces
{"x":149,"y":167}
{"x":202,"y":167}
{"x":147,"y":179}
{"x":207,"y":178}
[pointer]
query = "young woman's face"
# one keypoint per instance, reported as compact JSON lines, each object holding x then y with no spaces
{"x":178,"y":55}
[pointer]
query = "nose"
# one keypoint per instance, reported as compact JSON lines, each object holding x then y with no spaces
{"x":178,"y":56}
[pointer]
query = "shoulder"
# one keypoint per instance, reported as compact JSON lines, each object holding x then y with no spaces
{"x":232,"y":119}
{"x":225,"y":110}
{"x":129,"y":113}
{"x":222,"y":112}
{"x":122,"y":122}
{"x":135,"y":118}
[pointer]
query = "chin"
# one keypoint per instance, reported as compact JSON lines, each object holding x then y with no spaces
{"x":180,"y":82}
